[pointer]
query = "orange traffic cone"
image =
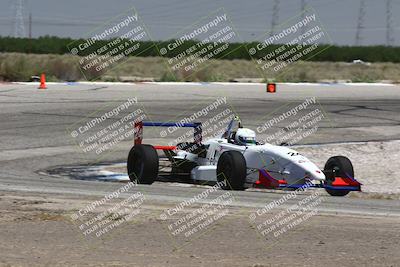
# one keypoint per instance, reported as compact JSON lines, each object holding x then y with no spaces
{"x":271,"y":87}
{"x":42,"y":81}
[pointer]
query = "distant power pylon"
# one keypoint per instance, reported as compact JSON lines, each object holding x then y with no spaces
{"x":389,"y":26}
{"x":275,"y":16}
{"x":19,"y":27}
{"x":30,"y":26}
{"x":303,"y":14}
{"x":360,"y":22}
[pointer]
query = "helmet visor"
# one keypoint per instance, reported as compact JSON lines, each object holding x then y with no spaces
{"x":247,"y":140}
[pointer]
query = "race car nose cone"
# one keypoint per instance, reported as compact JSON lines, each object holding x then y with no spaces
{"x":318,"y":175}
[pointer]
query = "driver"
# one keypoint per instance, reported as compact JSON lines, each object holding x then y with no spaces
{"x":245,"y":137}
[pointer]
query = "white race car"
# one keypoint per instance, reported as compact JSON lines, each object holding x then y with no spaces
{"x":237,"y":159}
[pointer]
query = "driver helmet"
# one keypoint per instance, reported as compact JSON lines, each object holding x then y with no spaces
{"x":245,"y":137}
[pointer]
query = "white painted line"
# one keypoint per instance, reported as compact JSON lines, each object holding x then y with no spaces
{"x":338,"y":84}
{"x":204,"y":83}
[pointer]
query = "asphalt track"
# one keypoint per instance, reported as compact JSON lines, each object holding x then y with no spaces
{"x":35,"y":135}
{"x":36,"y":209}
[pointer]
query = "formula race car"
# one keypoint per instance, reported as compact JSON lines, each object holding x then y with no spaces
{"x":238,"y":160}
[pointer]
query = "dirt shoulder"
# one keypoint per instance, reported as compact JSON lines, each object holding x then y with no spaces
{"x":37,"y":230}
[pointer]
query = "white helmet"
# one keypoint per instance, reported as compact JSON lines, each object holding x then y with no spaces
{"x":245,"y":137}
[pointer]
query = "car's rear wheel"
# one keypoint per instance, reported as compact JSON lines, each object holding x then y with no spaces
{"x":340,"y":166}
{"x":231,"y":168}
{"x":143,"y":164}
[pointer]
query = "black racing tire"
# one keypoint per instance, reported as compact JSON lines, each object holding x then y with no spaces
{"x":231,"y":168}
{"x":341,"y":167}
{"x":143,"y":164}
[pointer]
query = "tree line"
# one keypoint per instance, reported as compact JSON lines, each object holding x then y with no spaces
{"x":332,"y":53}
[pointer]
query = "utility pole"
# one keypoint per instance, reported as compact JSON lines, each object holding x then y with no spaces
{"x":19,"y":28}
{"x":360,"y":22}
{"x":275,"y":16}
{"x":389,"y":26}
{"x":303,"y":15}
{"x":30,"y":25}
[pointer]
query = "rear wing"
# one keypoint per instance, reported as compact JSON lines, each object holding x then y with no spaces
{"x":138,"y":137}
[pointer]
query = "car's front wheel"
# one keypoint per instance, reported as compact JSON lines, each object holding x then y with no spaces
{"x":339,"y":166}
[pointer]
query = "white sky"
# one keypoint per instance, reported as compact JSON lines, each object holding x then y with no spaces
{"x":164,"y":18}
